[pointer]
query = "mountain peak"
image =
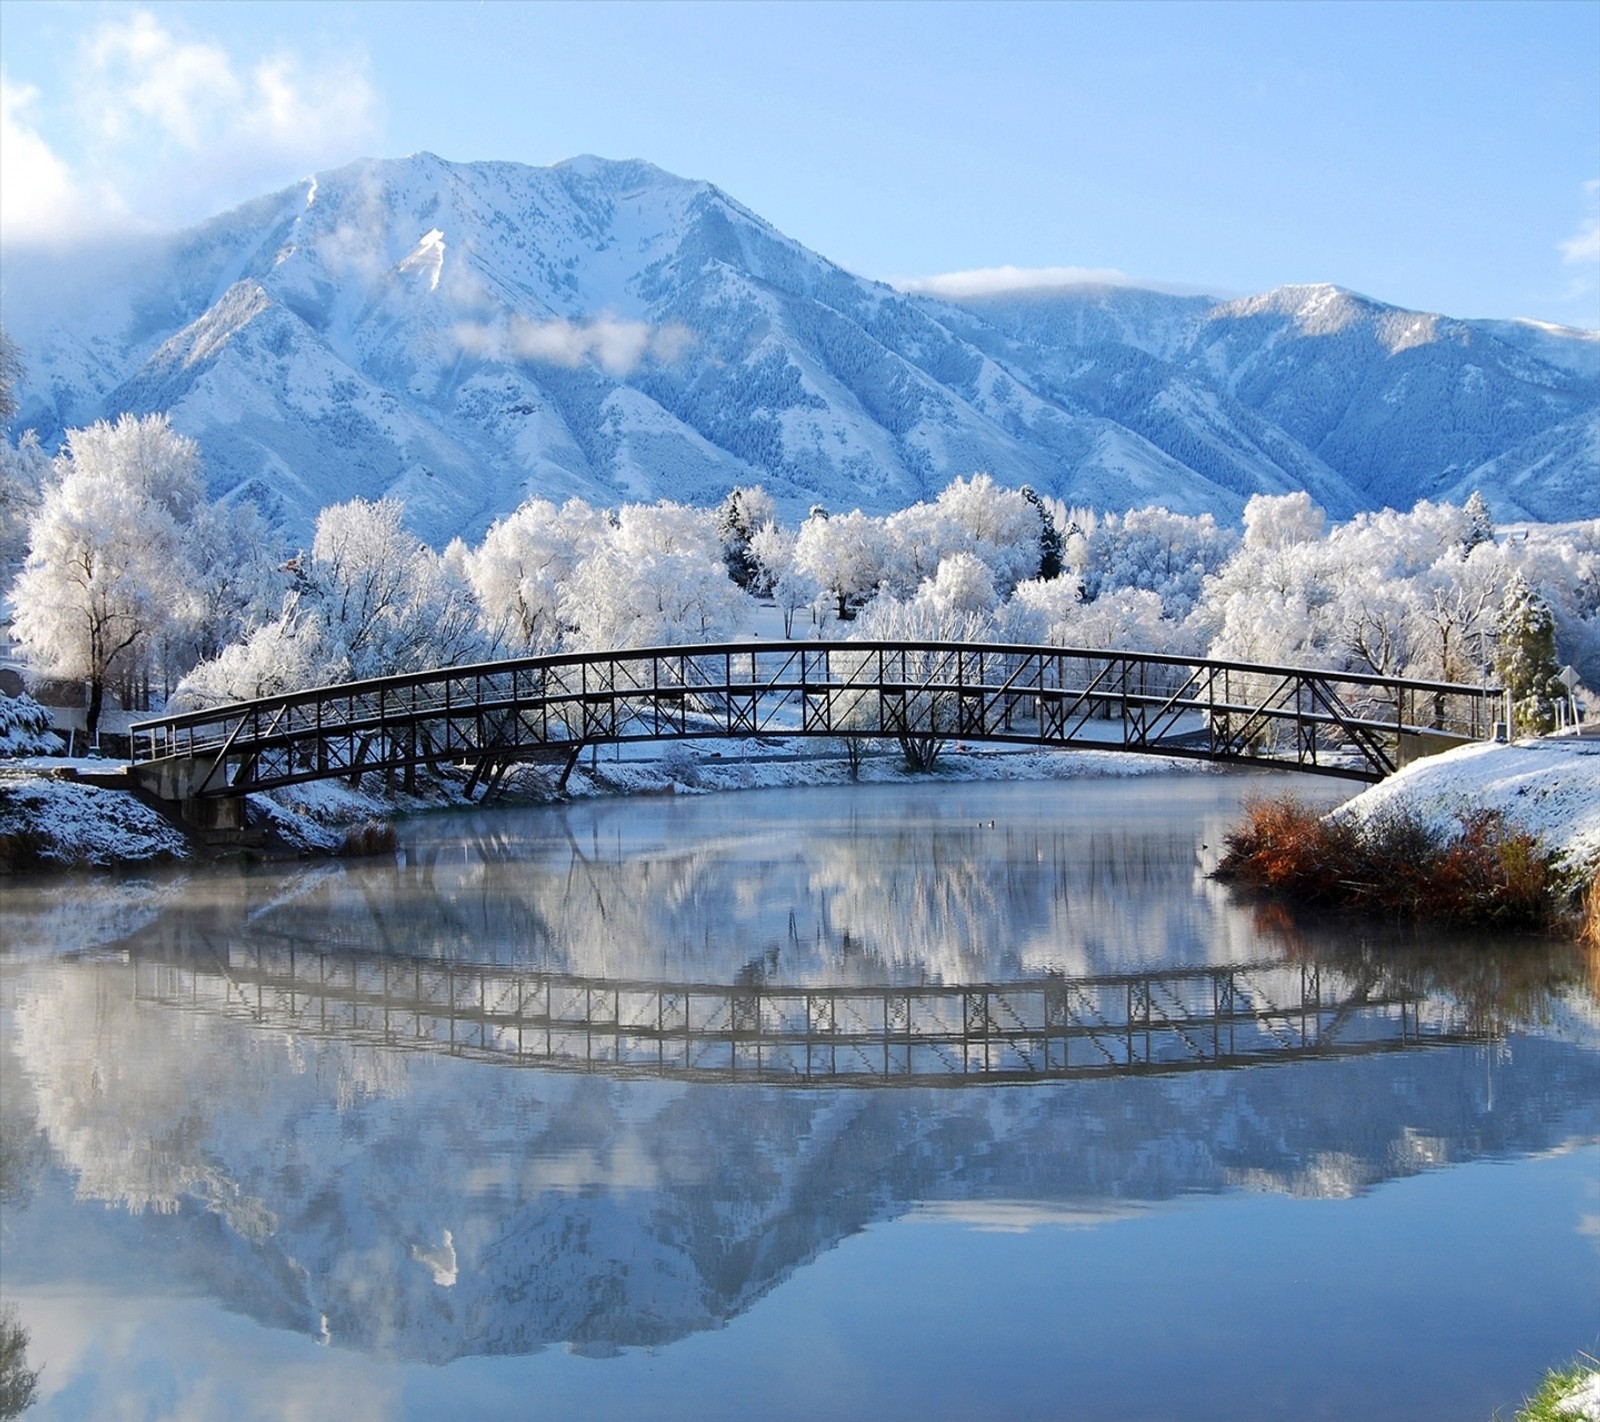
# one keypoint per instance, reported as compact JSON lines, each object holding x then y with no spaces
{"x":467,"y":334}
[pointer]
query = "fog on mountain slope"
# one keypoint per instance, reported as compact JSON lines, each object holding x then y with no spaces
{"x":463,"y":336}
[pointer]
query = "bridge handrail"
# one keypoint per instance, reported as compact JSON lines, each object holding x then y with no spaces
{"x":376,"y":685}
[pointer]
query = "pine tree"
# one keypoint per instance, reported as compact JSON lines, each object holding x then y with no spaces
{"x":1525,"y":659}
{"x":1050,"y":544}
{"x":1480,"y":523}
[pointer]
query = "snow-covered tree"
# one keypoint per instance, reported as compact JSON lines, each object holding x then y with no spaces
{"x":998,"y":526}
{"x":1050,"y":544}
{"x":24,"y":473}
{"x":743,"y":512}
{"x":1525,"y":657}
{"x":234,"y":577}
{"x":25,"y":728}
{"x":1277,"y":520}
{"x":519,"y":571}
{"x":847,"y":555}
{"x":1157,"y":551}
{"x":1480,"y":523}
{"x":658,"y":579}
{"x":107,"y":579}
{"x":924,"y":618}
{"x":369,"y":600}
{"x":10,"y":378}
{"x":963,"y":584}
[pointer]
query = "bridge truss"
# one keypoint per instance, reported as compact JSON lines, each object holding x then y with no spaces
{"x":920,"y":694}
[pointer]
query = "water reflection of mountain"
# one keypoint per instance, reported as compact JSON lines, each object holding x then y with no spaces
{"x":318,"y":1172}
{"x":429,"y":1206}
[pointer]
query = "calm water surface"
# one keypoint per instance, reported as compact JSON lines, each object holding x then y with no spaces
{"x":945,"y":1101}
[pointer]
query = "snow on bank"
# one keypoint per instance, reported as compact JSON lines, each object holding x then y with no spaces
{"x":1582,"y":1404}
{"x":62,"y":823}
{"x":1550,"y":787}
{"x":686,"y":772}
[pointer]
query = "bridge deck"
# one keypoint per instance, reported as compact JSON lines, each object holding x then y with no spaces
{"x":920,"y":694}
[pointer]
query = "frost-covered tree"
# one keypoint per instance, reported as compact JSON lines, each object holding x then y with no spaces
{"x":962,"y":585}
{"x":233,"y":577}
{"x":520,"y":570}
{"x":1157,"y":551}
{"x":10,"y":378}
{"x":25,"y":728}
{"x":369,"y":600}
{"x":847,"y":555}
{"x":1525,"y":657}
{"x":24,"y":473}
{"x":107,"y":577}
{"x":658,"y":579}
{"x":288,"y":653}
{"x":998,"y":526}
{"x":743,"y":512}
{"x":927,"y":617}
{"x":1277,"y":520}
{"x":1480,"y":523}
{"x":1050,"y":545}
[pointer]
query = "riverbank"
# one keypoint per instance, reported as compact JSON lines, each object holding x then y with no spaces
{"x":50,"y":821}
{"x":1488,"y":836}
{"x":1550,"y":788}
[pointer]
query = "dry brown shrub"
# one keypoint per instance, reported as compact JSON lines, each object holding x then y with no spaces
{"x":373,"y":837}
{"x":1488,"y":873}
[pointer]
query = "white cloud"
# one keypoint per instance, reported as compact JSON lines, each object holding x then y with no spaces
{"x":41,"y":198}
{"x":1582,"y":249}
{"x":997,"y":281}
{"x":162,"y":128}
{"x":618,"y":346}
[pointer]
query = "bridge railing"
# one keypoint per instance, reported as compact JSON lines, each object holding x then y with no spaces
{"x":916,"y":692}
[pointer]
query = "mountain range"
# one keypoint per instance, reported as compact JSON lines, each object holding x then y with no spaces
{"x":465,"y":335}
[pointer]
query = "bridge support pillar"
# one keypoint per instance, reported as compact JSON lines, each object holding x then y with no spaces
{"x":176,"y":783}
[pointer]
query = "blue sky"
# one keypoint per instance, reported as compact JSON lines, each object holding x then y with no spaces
{"x":1440,"y":156}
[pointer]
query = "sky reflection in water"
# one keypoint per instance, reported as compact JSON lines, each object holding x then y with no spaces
{"x":234,"y":1191}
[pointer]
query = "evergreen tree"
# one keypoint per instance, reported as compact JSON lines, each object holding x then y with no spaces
{"x":1050,"y":544}
{"x":734,"y":531}
{"x":1525,"y":659}
{"x":1480,"y":524}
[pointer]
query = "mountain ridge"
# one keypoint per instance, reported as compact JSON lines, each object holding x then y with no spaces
{"x":465,"y":335}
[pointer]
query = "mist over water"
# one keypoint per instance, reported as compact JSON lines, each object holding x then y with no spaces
{"x":885,"y":1085}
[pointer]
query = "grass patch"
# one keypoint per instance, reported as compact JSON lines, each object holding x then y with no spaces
{"x":1487,"y":873}
{"x":1554,"y":1401}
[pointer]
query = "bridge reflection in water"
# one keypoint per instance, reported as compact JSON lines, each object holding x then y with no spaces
{"x":1051,"y":1027}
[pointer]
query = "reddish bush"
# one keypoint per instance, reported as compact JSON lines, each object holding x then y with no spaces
{"x":1487,"y":873}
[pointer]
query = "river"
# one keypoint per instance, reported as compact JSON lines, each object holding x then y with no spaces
{"x":947,"y":1100}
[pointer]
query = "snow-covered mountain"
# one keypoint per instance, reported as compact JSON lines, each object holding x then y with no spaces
{"x":464,"y":335}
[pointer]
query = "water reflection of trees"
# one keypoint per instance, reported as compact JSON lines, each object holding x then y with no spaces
{"x":1501,"y":982}
{"x":851,"y":901}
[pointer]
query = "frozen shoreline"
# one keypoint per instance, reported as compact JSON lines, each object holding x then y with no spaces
{"x":1550,"y":787}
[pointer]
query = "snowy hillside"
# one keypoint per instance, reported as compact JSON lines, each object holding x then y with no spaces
{"x":464,"y":335}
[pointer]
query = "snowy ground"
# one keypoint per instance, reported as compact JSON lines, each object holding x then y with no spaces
{"x":1583,"y":1403}
{"x":1550,"y":787}
{"x":69,"y":825}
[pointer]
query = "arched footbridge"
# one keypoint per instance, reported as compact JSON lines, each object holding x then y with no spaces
{"x":548,"y":709}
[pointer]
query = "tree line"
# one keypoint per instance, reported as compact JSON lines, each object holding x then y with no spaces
{"x":134,"y":583}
